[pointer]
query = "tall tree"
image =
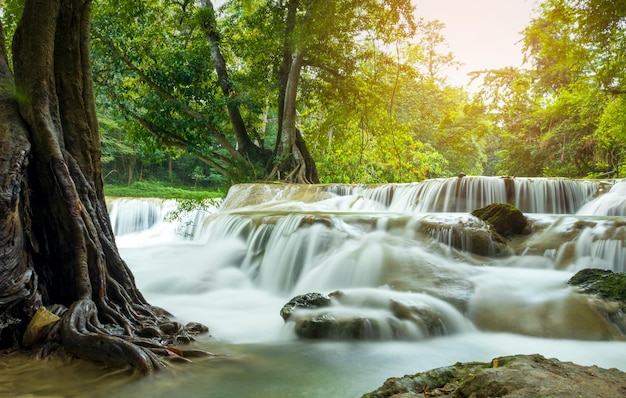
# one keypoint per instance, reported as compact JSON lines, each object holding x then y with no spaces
{"x":204,"y":79}
{"x":58,"y":249}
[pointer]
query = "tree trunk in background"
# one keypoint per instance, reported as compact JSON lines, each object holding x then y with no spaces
{"x":293,"y":162}
{"x":58,"y":248}
{"x":245,"y":144}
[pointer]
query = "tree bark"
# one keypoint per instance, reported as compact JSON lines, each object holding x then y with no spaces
{"x":58,"y":248}
{"x":245,"y":145}
{"x":18,"y":281}
{"x":293,"y":160}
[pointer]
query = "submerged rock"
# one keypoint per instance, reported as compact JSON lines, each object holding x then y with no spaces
{"x":504,"y":218}
{"x":328,"y":326}
{"x":510,"y":376}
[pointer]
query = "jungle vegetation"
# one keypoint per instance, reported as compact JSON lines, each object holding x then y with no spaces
{"x":315,"y":91}
{"x":350,"y":91}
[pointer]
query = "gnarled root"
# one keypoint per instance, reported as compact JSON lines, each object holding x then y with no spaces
{"x":81,"y":338}
{"x":81,"y":335}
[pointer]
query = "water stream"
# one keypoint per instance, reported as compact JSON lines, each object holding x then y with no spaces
{"x":387,"y":249}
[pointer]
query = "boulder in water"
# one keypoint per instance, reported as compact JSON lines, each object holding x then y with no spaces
{"x":510,"y":376}
{"x":326,"y":325}
{"x":504,"y":218}
{"x":606,"y":284}
{"x":309,"y":301}
{"x":609,"y":289}
{"x":354,"y":317}
{"x":474,"y":239}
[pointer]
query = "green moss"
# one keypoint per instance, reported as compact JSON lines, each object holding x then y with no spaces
{"x":607,"y":284}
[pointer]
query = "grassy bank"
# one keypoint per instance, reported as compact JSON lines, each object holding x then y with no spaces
{"x":145,"y":189}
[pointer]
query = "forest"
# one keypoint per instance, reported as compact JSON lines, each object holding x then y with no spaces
{"x":269,"y":90}
{"x":183,"y":91}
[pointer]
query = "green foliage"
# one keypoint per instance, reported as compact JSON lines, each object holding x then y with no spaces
{"x":564,"y":116}
{"x":611,"y":136}
{"x":372,"y":104}
{"x":144,"y":189}
{"x":11,"y":14}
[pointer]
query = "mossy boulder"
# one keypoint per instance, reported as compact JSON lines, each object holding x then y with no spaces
{"x":606,"y":284}
{"x":511,"y":376}
{"x":504,"y":218}
{"x":609,"y":289}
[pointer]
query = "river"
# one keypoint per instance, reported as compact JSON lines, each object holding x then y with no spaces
{"x":234,"y":264}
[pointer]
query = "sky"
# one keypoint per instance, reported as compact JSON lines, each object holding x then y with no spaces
{"x":482,"y":34}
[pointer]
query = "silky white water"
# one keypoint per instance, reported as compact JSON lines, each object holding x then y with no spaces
{"x":381,"y":247}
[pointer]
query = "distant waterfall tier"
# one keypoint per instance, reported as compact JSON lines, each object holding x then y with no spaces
{"x":462,"y":194}
{"x":133,"y":215}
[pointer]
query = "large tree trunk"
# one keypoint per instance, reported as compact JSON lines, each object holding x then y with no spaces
{"x":58,"y":248}
{"x":293,"y":162}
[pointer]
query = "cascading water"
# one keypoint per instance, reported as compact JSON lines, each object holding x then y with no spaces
{"x":421,"y":280}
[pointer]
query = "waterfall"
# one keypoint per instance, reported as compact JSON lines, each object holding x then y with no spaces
{"x":458,"y":194}
{"x":554,"y":196}
{"x":613,"y":203}
{"x":405,"y":269}
{"x":403,"y":243}
{"x":134,"y":215}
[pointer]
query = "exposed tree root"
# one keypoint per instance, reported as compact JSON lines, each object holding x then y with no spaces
{"x":80,"y":334}
{"x":56,"y":242}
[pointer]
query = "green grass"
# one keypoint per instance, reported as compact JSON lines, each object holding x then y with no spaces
{"x":145,"y":189}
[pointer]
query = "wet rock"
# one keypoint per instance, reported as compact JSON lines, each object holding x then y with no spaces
{"x":510,"y":376}
{"x":328,"y":326}
{"x":469,"y":238}
{"x":425,"y":319}
{"x":609,"y":291}
{"x":606,"y":284}
{"x":373,"y":318}
{"x":308,"y":301}
{"x":504,"y":218}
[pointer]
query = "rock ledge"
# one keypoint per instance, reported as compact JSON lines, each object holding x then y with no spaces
{"x":511,"y":376}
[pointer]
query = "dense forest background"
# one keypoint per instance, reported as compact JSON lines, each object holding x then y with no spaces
{"x":349,"y":91}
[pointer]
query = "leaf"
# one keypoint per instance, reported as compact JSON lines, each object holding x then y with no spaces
{"x":39,"y":321}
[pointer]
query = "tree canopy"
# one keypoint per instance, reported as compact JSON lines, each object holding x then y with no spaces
{"x":565,"y":113}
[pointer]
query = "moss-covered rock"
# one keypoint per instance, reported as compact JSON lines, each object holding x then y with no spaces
{"x":608,"y":290}
{"x":504,"y":218}
{"x":511,"y":376}
{"x":606,"y":284}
